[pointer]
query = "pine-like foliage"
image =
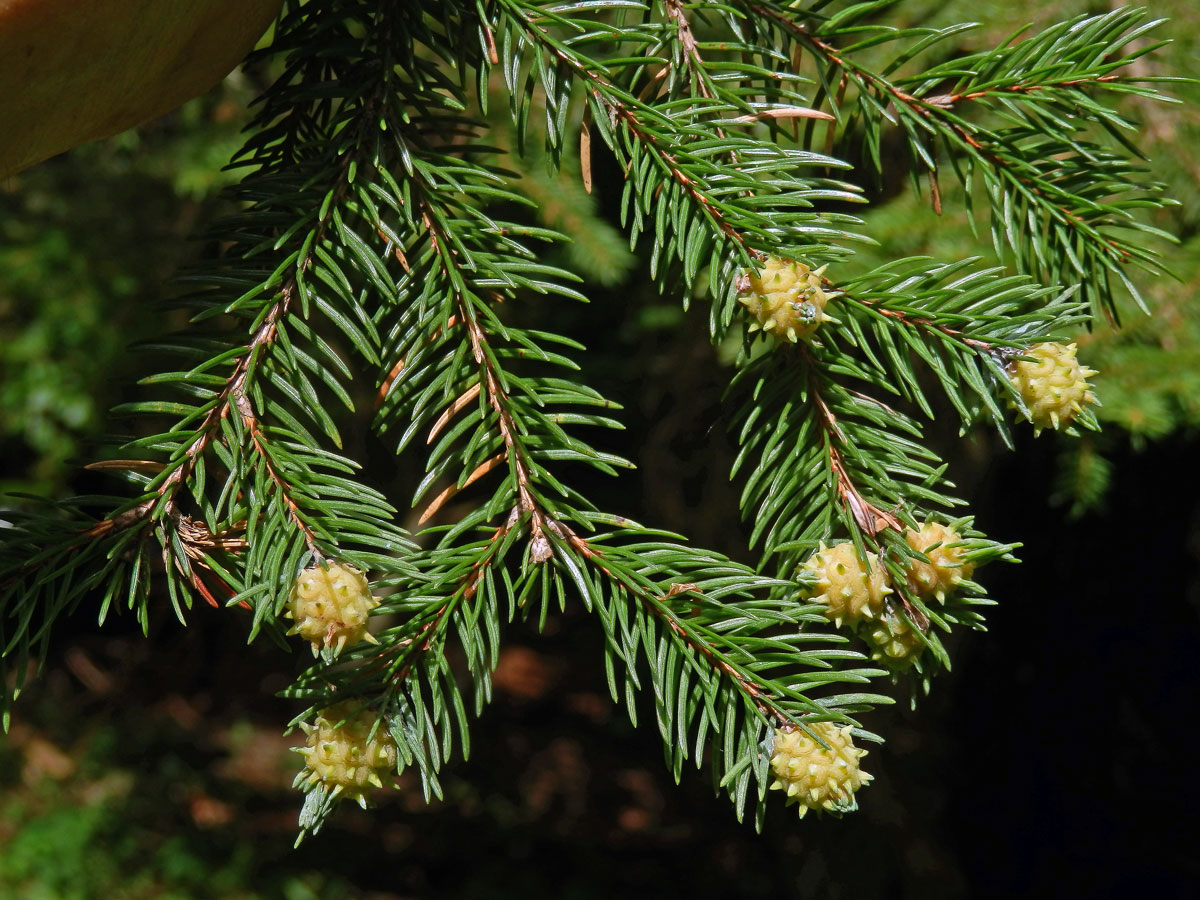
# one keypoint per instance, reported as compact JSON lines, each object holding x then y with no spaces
{"x":385,"y":249}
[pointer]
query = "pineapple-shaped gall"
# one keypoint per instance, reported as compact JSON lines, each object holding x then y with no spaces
{"x":785,"y":298}
{"x":331,"y":606}
{"x":342,"y":756}
{"x":850,"y":592}
{"x":893,"y":641}
{"x":946,"y":566}
{"x":816,"y":777}
{"x":1053,"y":385}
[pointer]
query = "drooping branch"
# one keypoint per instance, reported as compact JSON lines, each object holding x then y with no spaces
{"x":869,"y":518}
{"x":233,"y":395}
{"x":745,"y":680}
{"x":936,"y":116}
{"x":498,"y":400}
{"x":610,"y":99}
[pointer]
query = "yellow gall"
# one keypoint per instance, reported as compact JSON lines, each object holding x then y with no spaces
{"x":331,"y":606}
{"x":785,"y":298}
{"x":816,"y":777}
{"x":1053,"y":385}
{"x":946,"y":566}
{"x":851,"y":591}
{"x":893,"y":641}
{"x":343,"y":756}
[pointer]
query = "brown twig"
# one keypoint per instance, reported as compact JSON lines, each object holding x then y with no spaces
{"x":869,"y":518}
{"x":258,"y":441}
{"x":919,"y":322}
{"x":946,"y":101}
{"x":687,"y":43}
{"x":498,"y":399}
{"x":658,"y":606}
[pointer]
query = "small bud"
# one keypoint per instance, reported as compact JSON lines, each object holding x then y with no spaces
{"x":1053,"y":385}
{"x":341,"y":757}
{"x":816,"y":777}
{"x":785,"y":298}
{"x":331,"y":606}
{"x":850,"y":592}
{"x":894,"y":642}
{"x":946,"y":567}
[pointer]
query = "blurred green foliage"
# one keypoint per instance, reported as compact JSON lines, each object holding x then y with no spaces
{"x":87,"y":242}
{"x":97,"y":823}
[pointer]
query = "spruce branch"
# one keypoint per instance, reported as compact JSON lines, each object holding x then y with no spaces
{"x":384,"y":238}
{"x":1061,"y":205}
{"x":833,"y":459}
{"x":450,"y":359}
{"x":272,"y":479}
{"x":964,"y":324}
{"x":707,"y":197}
{"x":722,"y":655}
